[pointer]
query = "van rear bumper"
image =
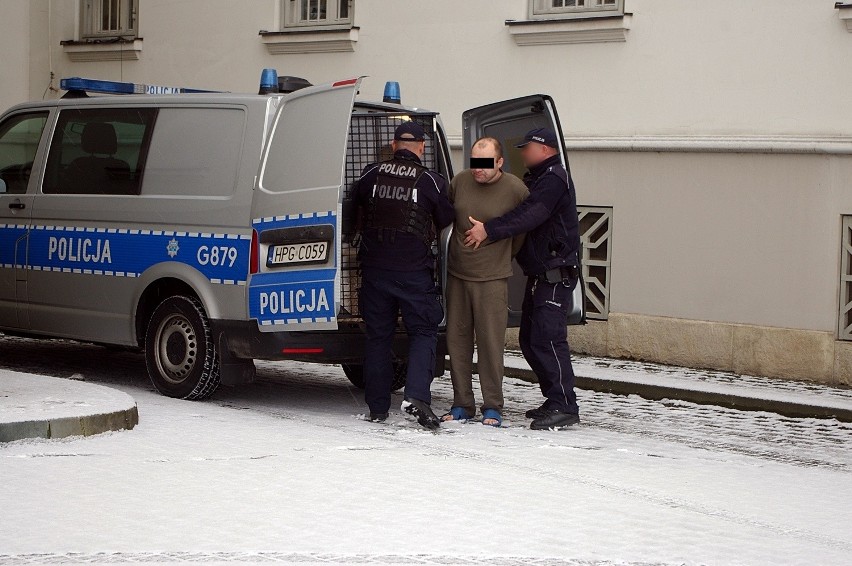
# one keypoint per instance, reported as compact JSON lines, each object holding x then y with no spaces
{"x":241,"y":340}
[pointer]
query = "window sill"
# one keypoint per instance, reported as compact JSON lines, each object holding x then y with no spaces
{"x":103,"y":49}
{"x":570,"y":30}
{"x":307,"y":40}
{"x":844,"y":12}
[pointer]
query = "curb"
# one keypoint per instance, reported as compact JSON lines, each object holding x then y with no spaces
{"x":727,"y":400}
{"x":62,"y":427}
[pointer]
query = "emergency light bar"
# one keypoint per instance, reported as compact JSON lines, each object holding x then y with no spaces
{"x":114,"y":87}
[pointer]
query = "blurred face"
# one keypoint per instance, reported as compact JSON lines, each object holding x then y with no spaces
{"x":486,"y":176}
{"x":534,"y":153}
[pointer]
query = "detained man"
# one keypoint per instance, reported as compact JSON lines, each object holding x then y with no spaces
{"x":477,"y":284}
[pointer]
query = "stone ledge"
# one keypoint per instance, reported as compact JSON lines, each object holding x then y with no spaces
{"x":570,"y":30}
{"x":310,"y":41}
{"x":739,"y":348}
{"x":729,"y":400}
{"x":844,"y":12}
{"x":85,"y":51}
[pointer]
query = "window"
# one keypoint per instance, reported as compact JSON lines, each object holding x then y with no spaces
{"x":195,"y":152}
{"x":108,"y":18}
{"x":575,"y":8}
{"x":99,"y":151}
{"x":317,"y":13}
{"x":19,"y":137}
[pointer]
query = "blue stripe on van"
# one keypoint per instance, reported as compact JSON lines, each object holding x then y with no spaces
{"x":121,"y":252}
{"x":9,"y":235}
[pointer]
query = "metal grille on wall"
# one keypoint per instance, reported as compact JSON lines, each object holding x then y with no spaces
{"x":845,"y":323}
{"x":595,"y":234}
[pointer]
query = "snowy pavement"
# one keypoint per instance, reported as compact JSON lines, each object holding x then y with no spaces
{"x":38,"y":406}
{"x":287,"y":471}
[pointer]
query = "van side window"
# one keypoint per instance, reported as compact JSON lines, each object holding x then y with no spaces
{"x":99,"y":151}
{"x":19,"y":137}
{"x":195,"y":152}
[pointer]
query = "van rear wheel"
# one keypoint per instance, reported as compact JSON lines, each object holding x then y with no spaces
{"x":179,"y":350}
{"x":355,"y":373}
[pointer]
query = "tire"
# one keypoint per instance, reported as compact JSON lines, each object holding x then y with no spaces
{"x":355,"y":373}
{"x":179,"y":350}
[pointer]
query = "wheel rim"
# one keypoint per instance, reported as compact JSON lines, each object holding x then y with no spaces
{"x":177,"y":348}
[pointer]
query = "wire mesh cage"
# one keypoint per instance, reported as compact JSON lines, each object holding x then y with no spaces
{"x":370,"y":137}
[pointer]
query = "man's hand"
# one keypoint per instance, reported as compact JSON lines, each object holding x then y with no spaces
{"x":476,"y":235}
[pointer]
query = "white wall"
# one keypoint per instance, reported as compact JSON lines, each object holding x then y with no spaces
{"x":743,"y":238}
{"x":687,"y":68}
{"x":736,"y":237}
{"x":14,"y":53}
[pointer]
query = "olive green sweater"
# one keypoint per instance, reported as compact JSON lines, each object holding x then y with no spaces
{"x":493,"y":260}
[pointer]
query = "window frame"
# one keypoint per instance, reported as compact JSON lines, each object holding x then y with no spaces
{"x":56,"y":145}
{"x":19,"y":117}
{"x":543,"y":10}
{"x":291,"y":19}
{"x":91,"y":16}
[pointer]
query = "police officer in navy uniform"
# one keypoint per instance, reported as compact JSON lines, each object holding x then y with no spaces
{"x":403,"y":206}
{"x":549,"y":258}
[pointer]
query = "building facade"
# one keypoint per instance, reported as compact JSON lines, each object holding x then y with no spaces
{"x":711,"y":143}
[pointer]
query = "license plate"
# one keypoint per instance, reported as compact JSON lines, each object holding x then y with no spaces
{"x":290,"y":254}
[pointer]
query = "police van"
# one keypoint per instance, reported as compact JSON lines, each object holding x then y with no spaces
{"x":205,"y":228}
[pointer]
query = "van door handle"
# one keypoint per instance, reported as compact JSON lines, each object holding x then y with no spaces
{"x":18,"y":205}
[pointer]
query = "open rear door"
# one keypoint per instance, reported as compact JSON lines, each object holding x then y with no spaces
{"x":296,"y":210}
{"x":508,"y":122}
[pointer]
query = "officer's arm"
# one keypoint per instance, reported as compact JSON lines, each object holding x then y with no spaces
{"x":364,"y":185}
{"x":444,"y":213}
{"x":353,"y":212}
{"x":531,"y":213}
{"x":518,"y":241}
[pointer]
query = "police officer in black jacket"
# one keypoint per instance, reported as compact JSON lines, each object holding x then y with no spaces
{"x":403,"y":206}
{"x":549,"y":258}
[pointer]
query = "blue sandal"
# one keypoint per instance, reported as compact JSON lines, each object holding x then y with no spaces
{"x":456,"y":414}
{"x":492,"y":414}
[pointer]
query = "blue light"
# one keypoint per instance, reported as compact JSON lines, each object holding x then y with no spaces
{"x":268,"y":81}
{"x":392,"y":93}
{"x":114,"y":87}
{"x":93,"y":85}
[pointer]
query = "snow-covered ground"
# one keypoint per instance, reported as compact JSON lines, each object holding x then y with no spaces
{"x":286,"y":470}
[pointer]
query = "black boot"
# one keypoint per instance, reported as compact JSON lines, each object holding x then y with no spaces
{"x":422,"y":412}
{"x":537,"y":413}
{"x":378,"y":417}
{"x":555,"y":420}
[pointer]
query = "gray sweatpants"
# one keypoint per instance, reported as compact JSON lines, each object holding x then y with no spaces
{"x":477,"y":310}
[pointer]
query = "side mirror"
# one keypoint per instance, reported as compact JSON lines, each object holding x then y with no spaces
{"x":2,"y":186}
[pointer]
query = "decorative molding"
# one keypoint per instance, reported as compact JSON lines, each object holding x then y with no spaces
{"x":310,"y":41}
{"x":820,"y":145}
{"x":840,"y":145}
{"x":844,"y":12}
{"x":101,"y":50}
{"x":570,"y":30}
